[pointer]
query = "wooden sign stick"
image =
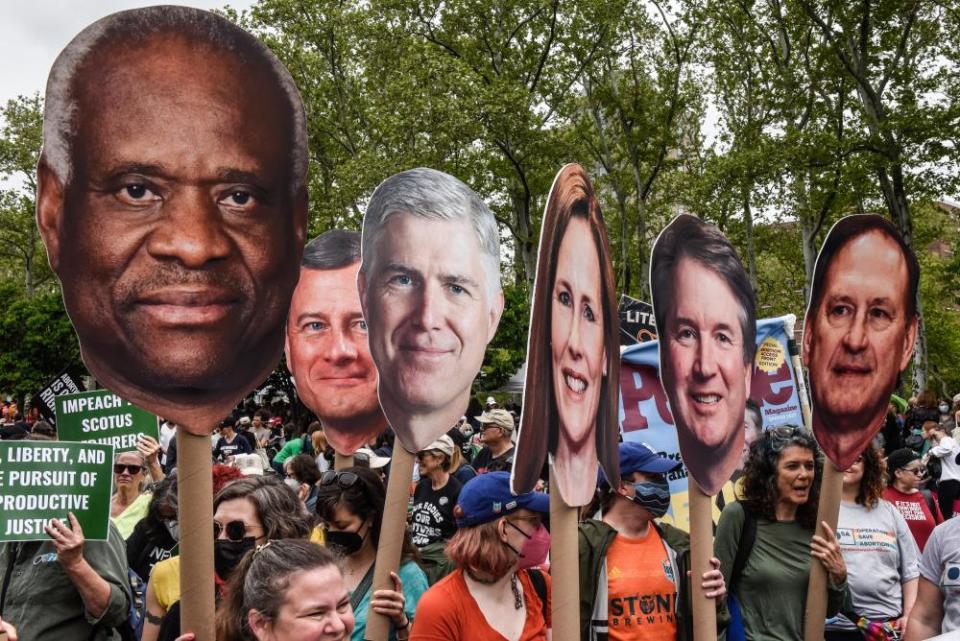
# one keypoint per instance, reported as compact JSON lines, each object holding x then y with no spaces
{"x":195,"y":497}
{"x":341,"y":461}
{"x":391,"y":535}
{"x":564,"y":567}
{"x":701,"y":549}
{"x":815,"y":613}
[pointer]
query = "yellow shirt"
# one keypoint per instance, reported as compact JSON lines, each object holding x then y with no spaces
{"x":166,"y":582}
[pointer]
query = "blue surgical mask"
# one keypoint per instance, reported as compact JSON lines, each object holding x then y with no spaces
{"x":653,"y":496}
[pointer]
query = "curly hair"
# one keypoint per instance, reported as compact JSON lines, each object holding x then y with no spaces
{"x":760,"y":475}
{"x":874,"y":478}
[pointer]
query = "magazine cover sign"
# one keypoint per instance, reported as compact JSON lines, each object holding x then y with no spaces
{"x":572,"y":386}
{"x":176,"y":240}
{"x":859,"y":331}
{"x":704,"y":307}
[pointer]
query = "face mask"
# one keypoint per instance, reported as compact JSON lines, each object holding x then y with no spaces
{"x":346,"y":543}
{"x":293,"y":484}
{"x":535,"y":548}
{"x":944,"y":408}
{"x":173,"y":527}
{"x":653,"y":496}
{"x":227,"y":554}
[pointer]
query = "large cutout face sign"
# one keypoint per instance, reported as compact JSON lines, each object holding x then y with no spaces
{"x":570,"y":396}
{"x":430,"y":289}
{"x":859,"y":331}
{"x":173,"y":210}
{"x":705,"y":313}
{"x":326,"y":346}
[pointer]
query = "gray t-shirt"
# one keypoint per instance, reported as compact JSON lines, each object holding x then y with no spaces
{"x":881,"y":555}
{"x":941,"y":566}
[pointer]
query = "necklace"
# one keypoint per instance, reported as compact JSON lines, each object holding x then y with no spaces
{"x":517,"y":598}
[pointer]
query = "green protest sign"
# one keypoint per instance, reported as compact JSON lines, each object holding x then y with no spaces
{"x":103,"y":417}
{"x":43,"y":480}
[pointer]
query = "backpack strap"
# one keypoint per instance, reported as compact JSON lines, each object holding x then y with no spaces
{"x":748,"y":536}
{"x":540,"y":587}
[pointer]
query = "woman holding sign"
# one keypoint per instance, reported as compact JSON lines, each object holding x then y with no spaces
{"x":573,"y":350}
{"x":779,"y":504}
{"x":129,"y":503}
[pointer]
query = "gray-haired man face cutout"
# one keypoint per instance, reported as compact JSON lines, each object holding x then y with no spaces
{"x":177,"y":239}
{"x":430,"y":314}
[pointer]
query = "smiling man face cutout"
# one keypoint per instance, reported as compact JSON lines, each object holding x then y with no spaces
{"x":704,"y":308}
{"x":172,"y":204}
{"x":859,"y":331}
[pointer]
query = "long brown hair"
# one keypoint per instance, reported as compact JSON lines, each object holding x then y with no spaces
{"x":571,"y":195}
{"x":874,"y":478}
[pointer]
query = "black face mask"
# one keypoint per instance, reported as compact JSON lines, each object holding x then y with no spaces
{"x":345,"y":543}
{"x":227,"y":554}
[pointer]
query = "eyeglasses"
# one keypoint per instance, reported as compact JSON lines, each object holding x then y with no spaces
{"x":344,"y":480}
{"x":118,"y":468}
{"x":235,"y":530}
{"x":913,"y":470}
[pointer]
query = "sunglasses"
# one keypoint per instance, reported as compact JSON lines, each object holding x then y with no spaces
{"x":344,"y":480}
{"x":236,"y":530}
{"x":118,"y":468}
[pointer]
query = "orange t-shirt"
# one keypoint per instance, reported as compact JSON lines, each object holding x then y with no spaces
{"x":447,"y":611}
{"x":641,"y":590}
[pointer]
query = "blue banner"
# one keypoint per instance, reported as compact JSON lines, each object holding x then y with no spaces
{"x":645,"y":412}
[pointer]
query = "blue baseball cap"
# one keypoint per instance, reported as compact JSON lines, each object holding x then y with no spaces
{"x":487,"y":497}
{"x":640,"y":457}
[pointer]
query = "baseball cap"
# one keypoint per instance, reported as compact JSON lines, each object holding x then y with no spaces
{"x":499,"y":418}
{"x":640,"y":457}
{"x":491,"y":400}
{"x":487,"y":497}
{"x":229,"y":421}
{"x":444,"y":444}
{"x":376,"y":462}
{"x":901,"y":458}
{"x":244,"y":420}
{"x":248,"y":464}
{"x":276,"y":420}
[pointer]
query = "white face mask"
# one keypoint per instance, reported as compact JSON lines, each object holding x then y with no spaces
{"x":944,"y":408}
{"x":173,"y":527}
{"x":293,"y":484}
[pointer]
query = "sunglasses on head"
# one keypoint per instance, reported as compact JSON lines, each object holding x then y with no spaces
{"x":344,"y":480}
{"x":118,"y":468}
{"x":235,"y":530}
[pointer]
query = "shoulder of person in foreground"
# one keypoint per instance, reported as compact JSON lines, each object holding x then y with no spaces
{"x":438,"y":616}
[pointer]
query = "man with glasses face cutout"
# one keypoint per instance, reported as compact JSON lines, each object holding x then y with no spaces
{"x":917,"y":506}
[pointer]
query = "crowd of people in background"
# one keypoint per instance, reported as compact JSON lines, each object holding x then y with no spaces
{"x":292,"y":531}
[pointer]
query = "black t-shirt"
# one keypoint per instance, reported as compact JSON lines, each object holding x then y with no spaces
{"x":431,"y":518}
{"x":485,"y":461}
{"x":251,"y":439}
{"x":239,"y":445}
{"x":147,"y":545}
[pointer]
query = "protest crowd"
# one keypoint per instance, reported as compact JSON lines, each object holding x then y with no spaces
{"x":182,"y":252}
{"x":281,"y":509}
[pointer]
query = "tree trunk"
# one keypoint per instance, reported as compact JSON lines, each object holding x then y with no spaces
{"x":748,"y":220}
